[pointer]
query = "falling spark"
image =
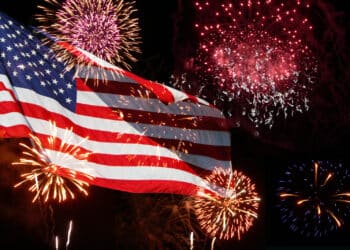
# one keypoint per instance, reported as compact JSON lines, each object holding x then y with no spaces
{"x":212,"y":243}
{"x":231,"y":210}
{"x":300,"y":202}
{"x":56,"y":242}
{"x":329,"y":176}
{"x":337,"y":221}
{"x":51,"y":181}
{"x":105,"y":28}
{"x":36,"y":184}
{"x":288,"y":195}
{"x":70,"y":228}
{"x":316,"y":173}
{"x":319,"y":208}
{"x":191,"y":241}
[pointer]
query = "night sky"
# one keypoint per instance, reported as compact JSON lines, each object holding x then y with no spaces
{"x":110,"y":219}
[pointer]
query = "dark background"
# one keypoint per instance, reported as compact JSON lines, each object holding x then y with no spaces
{"x":109,"y":219}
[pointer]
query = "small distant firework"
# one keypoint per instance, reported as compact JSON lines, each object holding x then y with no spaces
{"x":104,"y":28}
{"x":312,"y":197}
{"x":254,"y":54}
{"x":47,"y":179}
{"x":230,"y":212}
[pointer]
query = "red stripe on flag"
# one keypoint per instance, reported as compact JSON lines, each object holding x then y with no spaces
{"x":115,"y":87}
{"x":217,"y":152}
{"x":159,"y":90}
{"x":140,"y":186}
{"x":18,"y":131}
{"x":154,"y":118}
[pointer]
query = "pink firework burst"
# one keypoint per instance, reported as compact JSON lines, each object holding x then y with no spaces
{"x":231,"y":211}
{"x":256,"y":54}
{"x":104,"y":28}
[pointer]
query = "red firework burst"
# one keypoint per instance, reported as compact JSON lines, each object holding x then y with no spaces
{"x":255,"y":53}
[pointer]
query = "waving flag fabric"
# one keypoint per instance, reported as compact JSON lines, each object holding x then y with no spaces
{"x":143,"y":136}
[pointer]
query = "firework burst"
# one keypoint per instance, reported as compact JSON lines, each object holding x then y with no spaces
{"x":312,"y":199}
{"x":255,"y":54}
{"x":231,"y":210}
{"x":46,"y":179}
{"x":104,"y":28}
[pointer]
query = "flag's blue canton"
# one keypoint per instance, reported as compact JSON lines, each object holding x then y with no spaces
{"x":31,"y":65}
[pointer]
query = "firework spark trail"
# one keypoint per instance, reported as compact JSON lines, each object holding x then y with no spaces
{"x":104,"y":28}
{"x":37,"y":187}
{"x":254,"y":54}
{"x":232,"y":213}
{"x":314,"y":205}
{"x":47,"y":178}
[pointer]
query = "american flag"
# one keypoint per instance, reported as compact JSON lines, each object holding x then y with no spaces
{"x":143,"y":136}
